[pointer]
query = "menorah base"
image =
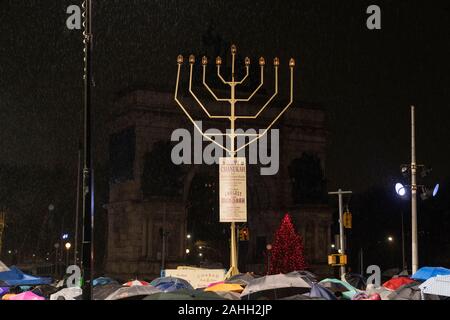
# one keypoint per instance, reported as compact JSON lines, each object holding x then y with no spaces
{"x":232,"y":272}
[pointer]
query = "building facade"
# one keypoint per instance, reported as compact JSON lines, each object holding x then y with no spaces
{"x":138,"y":223}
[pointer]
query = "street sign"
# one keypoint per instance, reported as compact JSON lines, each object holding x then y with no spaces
{"x":347,"y":220}
{"x":233,"y":189}
{"x":197,"y":277}
{"x":337,"y":260}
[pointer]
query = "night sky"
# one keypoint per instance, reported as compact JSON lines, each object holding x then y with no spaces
{"x":365,"y":80}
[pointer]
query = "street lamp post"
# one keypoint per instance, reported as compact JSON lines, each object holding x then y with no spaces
{"x":415,"y":249}
{"x":404,"y":266}
{"x":67,"y":245}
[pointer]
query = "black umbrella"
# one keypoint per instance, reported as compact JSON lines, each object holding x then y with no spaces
{"x":101,"y":292}
{"x":242,"y":279}
{"x":45,"y":290}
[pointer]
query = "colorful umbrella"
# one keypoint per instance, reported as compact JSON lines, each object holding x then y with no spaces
{"x":243,"y":279}
{"x":439,"y":286}
{"x":136,"y":283}
{"x":4,"y":290}
{"x":225,"y":287}
{"x":396,"y":283}
{"x":169,"y":284}
{"x":8,"y":296}
{"x":426,"y":273}
{"x":214,"y":283}
{"x":27,"y":295}
{"x":103,"y":281}
{"x":336,"y":285}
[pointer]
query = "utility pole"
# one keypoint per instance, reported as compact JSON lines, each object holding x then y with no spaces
{"x":88,"y":176}
{"x":341,"y":224}
{"x":77,"y":210}
{"x":415,"y":249}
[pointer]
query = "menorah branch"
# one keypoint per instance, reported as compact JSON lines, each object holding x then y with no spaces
{"x":189,"y":116}
{"x":246,"y":75}
{"x":209,"y":89}
{"x":198,"y":101}
{"x":291,"y":99}
{"x":220,"y":76}
{"x":261,"y":82}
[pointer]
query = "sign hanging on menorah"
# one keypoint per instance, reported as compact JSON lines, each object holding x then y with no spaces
{"x":232,"y":189}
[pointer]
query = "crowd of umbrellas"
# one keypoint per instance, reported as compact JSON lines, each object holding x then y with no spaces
{"x":429,"y":283}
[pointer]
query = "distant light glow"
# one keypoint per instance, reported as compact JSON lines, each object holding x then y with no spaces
{"x":200,"y":254}
{"x":187,"y":251}
{"x":400,"y":189}
{"x":65,"y":236}
{"x":435,"y":190}
{"x":390,"y":239}
{"x":188,"y":236}
{"x":333,"y":246}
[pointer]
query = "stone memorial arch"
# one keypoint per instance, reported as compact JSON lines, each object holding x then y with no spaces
{"x":144,"y":202}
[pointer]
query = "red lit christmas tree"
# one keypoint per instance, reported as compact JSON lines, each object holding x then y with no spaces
{"x":287,"y":249}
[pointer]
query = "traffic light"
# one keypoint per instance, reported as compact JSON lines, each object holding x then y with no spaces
{"x":347,"y":220}
{"x":243,"y":234}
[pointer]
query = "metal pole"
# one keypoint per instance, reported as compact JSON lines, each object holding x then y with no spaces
{"x":403,"y":245}
{"x":415,"y":254}
{"x":341,"y":230}
{"x":233,"y":250}
{"x":88,"y":180}
{"x":77,"y":209}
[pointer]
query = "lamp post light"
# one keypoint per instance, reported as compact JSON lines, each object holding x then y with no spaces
{"x":68,"y":245}
{"x":341,"y":250}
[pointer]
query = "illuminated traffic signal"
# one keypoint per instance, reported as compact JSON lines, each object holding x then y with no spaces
{"x":337,"y":259}
{"x":243,"y":234}
{"x":347,"y":220}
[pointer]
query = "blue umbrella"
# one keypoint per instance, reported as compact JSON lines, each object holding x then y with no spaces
{"x":102,"y":281}
{"x":3,"y":291}
{"x":426,"y":273}
{"x":171,"y":286}
{"x":168,"y":284}
{"x":317,"y":291}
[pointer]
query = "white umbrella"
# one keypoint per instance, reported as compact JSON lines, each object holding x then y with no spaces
{"x":67,"y":294}
{"x":439,"y":286}
{"x":276,"y":281}
{"x":3,"y":267}
{"x":130,"y":292}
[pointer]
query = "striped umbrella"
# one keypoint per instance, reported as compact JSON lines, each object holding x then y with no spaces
{"x":136,"y":283}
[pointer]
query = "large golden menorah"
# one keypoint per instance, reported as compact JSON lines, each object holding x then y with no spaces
{"x":232,"y":117}
{"x":2,"y":227}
